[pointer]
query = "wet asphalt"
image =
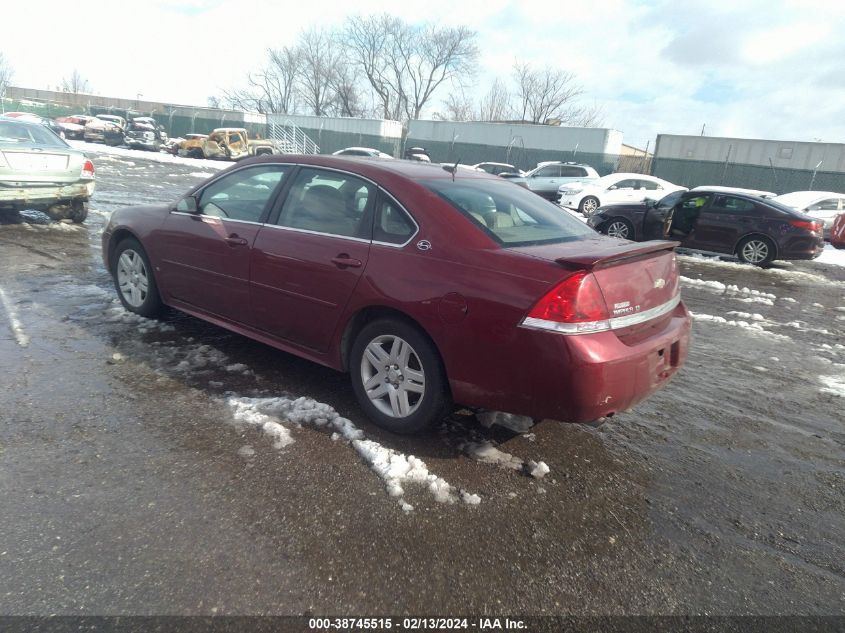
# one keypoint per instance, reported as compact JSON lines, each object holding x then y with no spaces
{"x":125,"y":487}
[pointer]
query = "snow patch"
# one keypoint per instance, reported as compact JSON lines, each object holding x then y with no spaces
{"x":834,"y":385}
{"x":752,"y":327}
{"x":395,"y":469}
{"x":538,"y":470}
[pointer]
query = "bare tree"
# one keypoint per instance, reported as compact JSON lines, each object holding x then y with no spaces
{"x":405,"y":64}
{"x":214,"y":102}
{"x":546,"y":94}
{"x":272,"y":89}
{"x":496,"y":104}
{"x":347,"y":98}
{"x":319,"y":61}
{"x":457,"y":107}
{"x":5,"y":76}
{"x":431,"y":56}
{"x":586,"y":116}
{"x":368,"y":42}
{"x":75,"y":84}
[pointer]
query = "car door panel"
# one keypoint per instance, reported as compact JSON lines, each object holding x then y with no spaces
{"x":308,"y":261}
{"x":205,"y":262}
{"x":204,"y":247}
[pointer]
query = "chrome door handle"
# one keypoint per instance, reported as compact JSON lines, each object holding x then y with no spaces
{"x":344,"y":262}
{"x":234,"y":240}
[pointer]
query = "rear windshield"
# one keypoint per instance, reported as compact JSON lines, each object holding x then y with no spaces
{"x":510,"y":214}
{"x":19,"y":134}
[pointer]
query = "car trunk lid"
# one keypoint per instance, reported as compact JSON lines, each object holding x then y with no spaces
{"x":638,"y":281}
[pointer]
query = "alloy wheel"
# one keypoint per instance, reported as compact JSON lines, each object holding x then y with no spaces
{"x":618,"y":229}
{"x":590,"y":205}
{"x":755,"y":251}
{"x":393,"y":376}
{"x":132,"y":278}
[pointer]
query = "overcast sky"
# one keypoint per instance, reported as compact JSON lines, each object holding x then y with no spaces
{"x":745,"y":68}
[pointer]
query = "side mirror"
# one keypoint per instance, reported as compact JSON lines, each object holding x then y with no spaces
{"x":188,"y":204}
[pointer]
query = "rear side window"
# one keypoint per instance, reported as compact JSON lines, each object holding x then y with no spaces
{"x":730,"y":204}
{"x":392,"y":224}
{"x":511,"y":215}
{"x":573,"y":172}
{"x":328,"y":202}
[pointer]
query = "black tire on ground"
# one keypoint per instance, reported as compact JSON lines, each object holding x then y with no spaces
{"x":423,"y":359}
{"x":150,"y":304}
{"x":756,"y":249}
{"x":619,"y":227}
{"x":588,"y":205}
{"x":78,"y":211}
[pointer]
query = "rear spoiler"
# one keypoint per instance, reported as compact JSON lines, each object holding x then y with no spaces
{"x":609,"y":256}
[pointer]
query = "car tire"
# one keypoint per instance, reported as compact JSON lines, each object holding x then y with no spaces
{"x":756,"y":249}
{"x":78,"y":212}
{"x":134,"y":280}
{"x":398,"y":376}
{"x":588,"y":205}
{"x":619,"y":227}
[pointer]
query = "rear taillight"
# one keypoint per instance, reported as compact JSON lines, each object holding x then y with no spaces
{"x":574,"y":306}
{"x":815,"y":227}
{"x":87,"y":171}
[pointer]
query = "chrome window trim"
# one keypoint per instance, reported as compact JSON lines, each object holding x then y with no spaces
{"x":216,"y":217}
{"x":590,"y":327}
{"x":308,"y":232}
{"x":334,"y":169}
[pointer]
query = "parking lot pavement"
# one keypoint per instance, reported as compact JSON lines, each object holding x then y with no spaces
{"x":154,"y":467}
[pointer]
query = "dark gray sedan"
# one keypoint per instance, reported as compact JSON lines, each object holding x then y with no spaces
{"x":756,"y":230}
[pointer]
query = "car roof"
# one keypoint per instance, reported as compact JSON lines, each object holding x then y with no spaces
{"x":374,"y":167}
{"x":808,"y":196}
{"x":734,"y":190}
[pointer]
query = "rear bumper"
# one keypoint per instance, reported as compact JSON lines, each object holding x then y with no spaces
{"x":25,"y":196}
{"x":584,"y":377}
{"x":802,"y":248}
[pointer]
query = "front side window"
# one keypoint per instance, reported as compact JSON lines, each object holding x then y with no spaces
{"x":549,"y":171}
{"x":328,"y":202}
{"x":243,"y":194}
{"x":670,"y":200}
{"x":513,"y":216}
{"x":626,"y":184}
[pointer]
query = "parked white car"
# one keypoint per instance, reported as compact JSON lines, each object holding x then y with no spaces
{"x":822,"y":205}
{"x":620,"y":188}
{"x":361,"y":151}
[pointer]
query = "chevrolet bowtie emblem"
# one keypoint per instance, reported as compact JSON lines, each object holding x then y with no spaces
{"x":659,"y":283}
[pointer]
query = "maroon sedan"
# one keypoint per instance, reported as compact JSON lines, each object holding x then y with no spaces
{"x":754,"y":229}
{"x":837,"y":233}
{"x":430,"y":288}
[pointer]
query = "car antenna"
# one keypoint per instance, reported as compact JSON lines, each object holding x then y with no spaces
{"x":455,"y":168}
